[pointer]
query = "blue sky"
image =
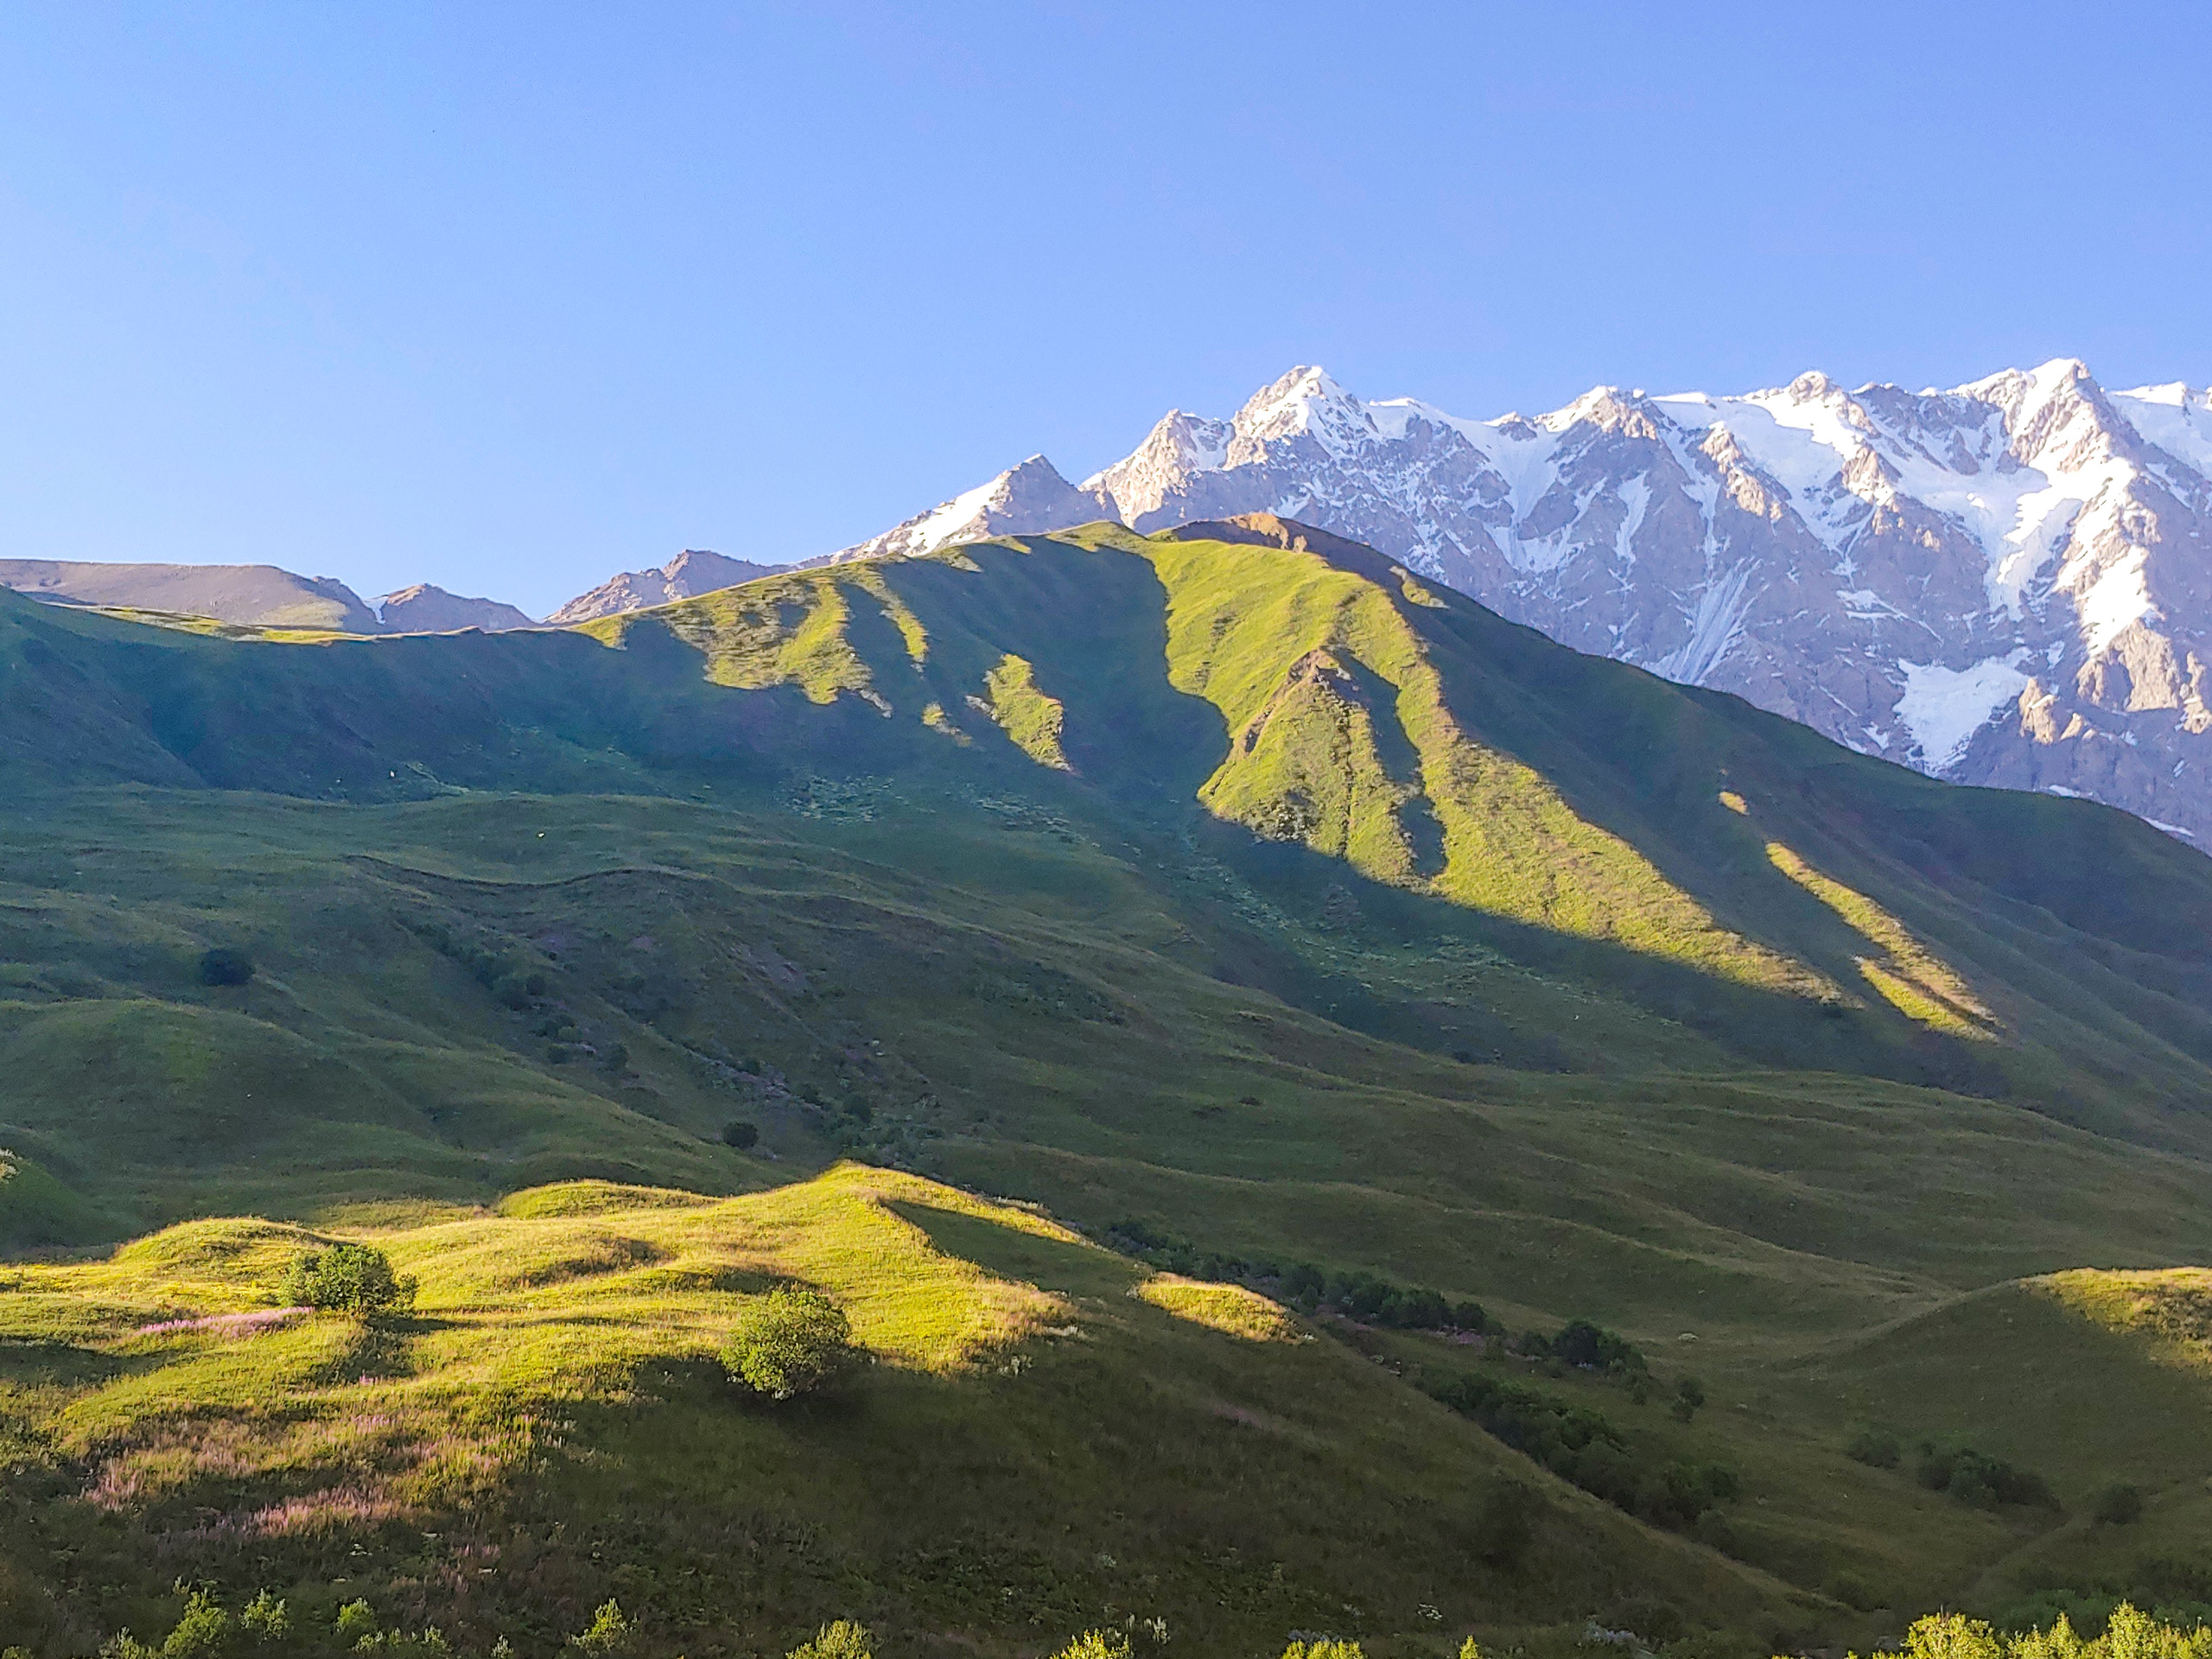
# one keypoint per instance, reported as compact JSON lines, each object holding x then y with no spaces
{"x":510,"y":297}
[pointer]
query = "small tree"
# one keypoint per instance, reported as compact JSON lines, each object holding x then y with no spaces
{"x":607,"y":1633}
{"x":353,"y":1279}
{"x":840,"y":1639}
{"x":741,"y":1134}
{"x":792,"y":1341}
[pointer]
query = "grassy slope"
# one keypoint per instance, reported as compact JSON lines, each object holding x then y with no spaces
{"x":1147,"y":1455}
{"x":1069,"y":981}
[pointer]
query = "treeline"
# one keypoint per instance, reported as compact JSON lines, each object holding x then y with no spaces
{"x":1970,"y":1477}
{"x":1581,"y":1446}
{"x":1366,"y":1297}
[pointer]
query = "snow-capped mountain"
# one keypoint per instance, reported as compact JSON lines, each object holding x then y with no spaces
{"x":1020,"y":501}
{"x":2009,"y":582}
{"x":695,"y":571}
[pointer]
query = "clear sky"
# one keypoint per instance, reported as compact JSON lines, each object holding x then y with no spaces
{"x":509,"y":297}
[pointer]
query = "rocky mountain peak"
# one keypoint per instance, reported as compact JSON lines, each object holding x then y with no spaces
{"x":1306,"y":403}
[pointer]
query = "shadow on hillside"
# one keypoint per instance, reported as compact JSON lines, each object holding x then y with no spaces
{"x":1048,"y":1263}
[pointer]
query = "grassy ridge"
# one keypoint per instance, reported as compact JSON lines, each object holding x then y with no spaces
{"x":1186,"y":1452}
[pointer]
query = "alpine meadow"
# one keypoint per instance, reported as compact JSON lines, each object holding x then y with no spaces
{"x":1176,"y":1094}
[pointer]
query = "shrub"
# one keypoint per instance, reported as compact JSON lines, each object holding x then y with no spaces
{"x":740,"y":1134}
{"x":608,"y":1631}
{"x":267,"y":1617}
{"x":225,"y":966}
{"x":2120,"y":1505}
{"x":1689,"y":1394}
{"x":1096,"y":1644}
{"x":841,"y":1639}
{"x":1985,"y":1482}
{"x":1581,"y":1343}
{"x":790,"y":1342}
{"x":356,"y":1623}
{"x":518,"y":990}
{"x":1323,"y":1649}
{"x":1876,"y":1448}
{"x":347,"y":1278}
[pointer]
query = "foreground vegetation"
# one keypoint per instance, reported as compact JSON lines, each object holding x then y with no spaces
{"x":206,"y":1631}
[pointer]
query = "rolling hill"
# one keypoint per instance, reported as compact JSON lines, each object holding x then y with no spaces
{"x":1236,"y":895}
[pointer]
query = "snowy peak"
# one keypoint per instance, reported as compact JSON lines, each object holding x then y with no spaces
{"x":1178,"y":446}
{"x":1306,"y":403}
{"x":1022,"y":500}
{"x":2174,"y":419}
{"x":695,"y":570}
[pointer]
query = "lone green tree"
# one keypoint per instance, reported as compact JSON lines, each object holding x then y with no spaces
{"x":792,"y":1341}
{"x":353,"y":1279}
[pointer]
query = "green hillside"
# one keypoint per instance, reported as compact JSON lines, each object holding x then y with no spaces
{"x":1232,"y":895}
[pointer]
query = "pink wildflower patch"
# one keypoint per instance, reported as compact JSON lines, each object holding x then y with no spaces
{"x":227,"y":1325}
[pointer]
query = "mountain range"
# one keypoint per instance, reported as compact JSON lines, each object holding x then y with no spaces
{"x":2009,"y":582}
{"x":253,"y":595}
{"x":2006,"y":583}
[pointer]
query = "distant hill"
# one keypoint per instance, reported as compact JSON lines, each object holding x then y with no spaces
{"x":254,"y":595}
{"x":258,"y":595}
{"x":425,"y":609}
{"x":692,"y":572}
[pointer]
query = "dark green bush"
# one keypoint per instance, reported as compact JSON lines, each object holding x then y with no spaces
{"x":792,"y":1341}
{"x":347,"y":1278}
{"x":1689,"y":1394}
{"x":2120,"y":1505}
{"x":225,"y":966}
{"x":1985,"y":1482}
{"x":741,"y":1134}
{"x":1580,"y":1343}
{"x":1582,"y":1445}
{"x":1878,"y":1448}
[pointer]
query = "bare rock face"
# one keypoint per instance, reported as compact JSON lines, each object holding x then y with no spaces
{"x":425,"y":609}
{"x":256,"y":595}
{"x":2009,"y":582}
{"x":692,"y":572}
